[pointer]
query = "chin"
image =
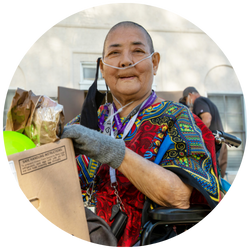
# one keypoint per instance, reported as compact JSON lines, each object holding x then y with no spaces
{"x":129,"y":92}
{"x":128,"y":89}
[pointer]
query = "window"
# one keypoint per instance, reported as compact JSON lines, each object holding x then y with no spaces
{"x":8,"y":100}
{"x":87,"y":77}
{"x":231,"y":109}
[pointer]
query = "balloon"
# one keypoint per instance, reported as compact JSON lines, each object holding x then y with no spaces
{"x":16,"y":142}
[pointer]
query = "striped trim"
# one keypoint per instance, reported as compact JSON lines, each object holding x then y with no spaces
{"x":83,"y":168}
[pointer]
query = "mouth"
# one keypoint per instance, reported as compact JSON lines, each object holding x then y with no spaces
{"x":126,"y":77}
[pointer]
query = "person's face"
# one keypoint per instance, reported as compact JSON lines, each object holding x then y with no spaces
{"x":190,"y":99}
{"x":126,"y":46}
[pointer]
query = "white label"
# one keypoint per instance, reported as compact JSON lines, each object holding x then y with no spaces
{"x":11,"y":167}
{"x":42,"y":160}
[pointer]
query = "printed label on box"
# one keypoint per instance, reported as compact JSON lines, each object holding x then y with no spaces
{"x":42,"y":160}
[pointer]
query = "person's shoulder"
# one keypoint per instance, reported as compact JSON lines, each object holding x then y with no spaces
{"x":172,"y":107}
{"x":165,"y":112}
{"x":178,"y":105}
{"x":201,"y":98}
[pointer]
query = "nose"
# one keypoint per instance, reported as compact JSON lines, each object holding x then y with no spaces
{"x":126,"y":60}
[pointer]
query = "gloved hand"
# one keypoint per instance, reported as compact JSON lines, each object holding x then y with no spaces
{"x":97,"y":146}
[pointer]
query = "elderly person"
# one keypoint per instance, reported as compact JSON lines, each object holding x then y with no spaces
{"x":145,"y":146}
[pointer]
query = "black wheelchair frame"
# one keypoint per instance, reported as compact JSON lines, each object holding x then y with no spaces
{"x":163,"y":216}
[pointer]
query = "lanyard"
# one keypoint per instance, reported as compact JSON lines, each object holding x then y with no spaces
{"x":126,"y":131}
{"x":125,"y":128}
{"x":121,"y":126}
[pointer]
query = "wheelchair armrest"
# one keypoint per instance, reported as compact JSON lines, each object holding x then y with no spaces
{"x":174,"y":215}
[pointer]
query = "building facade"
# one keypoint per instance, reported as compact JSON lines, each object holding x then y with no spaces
{"x":66,"y":56}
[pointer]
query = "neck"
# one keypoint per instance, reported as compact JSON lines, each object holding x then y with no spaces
{"x":131,"y":104}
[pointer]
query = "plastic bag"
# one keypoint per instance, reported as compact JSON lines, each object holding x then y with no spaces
{"x":38,"y":117}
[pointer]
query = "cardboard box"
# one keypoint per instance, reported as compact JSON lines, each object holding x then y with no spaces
{"x":48,"y":177}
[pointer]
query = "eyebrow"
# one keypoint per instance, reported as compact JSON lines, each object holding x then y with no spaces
{"x":115,"y":45}
{"x":138,"y":43}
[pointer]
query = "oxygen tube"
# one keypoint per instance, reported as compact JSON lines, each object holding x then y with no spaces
{"x":130,"y":66}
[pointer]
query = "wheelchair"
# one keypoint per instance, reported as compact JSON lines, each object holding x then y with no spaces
{"x":163,"y":221}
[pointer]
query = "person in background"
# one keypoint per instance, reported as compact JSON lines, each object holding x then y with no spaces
{"x":209,"y":114}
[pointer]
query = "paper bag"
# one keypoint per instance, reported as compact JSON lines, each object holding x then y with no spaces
{"x":21,"y":110}
{"x":38,"y":117}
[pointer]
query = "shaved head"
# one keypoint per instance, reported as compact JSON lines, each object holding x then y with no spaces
{"x":130,"y":24}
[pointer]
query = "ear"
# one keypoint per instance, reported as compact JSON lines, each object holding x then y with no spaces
{"x":156,"y":60}
{"x":101,"y":68}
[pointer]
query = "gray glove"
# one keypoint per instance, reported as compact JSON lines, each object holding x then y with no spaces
{"x":95,"y":145}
